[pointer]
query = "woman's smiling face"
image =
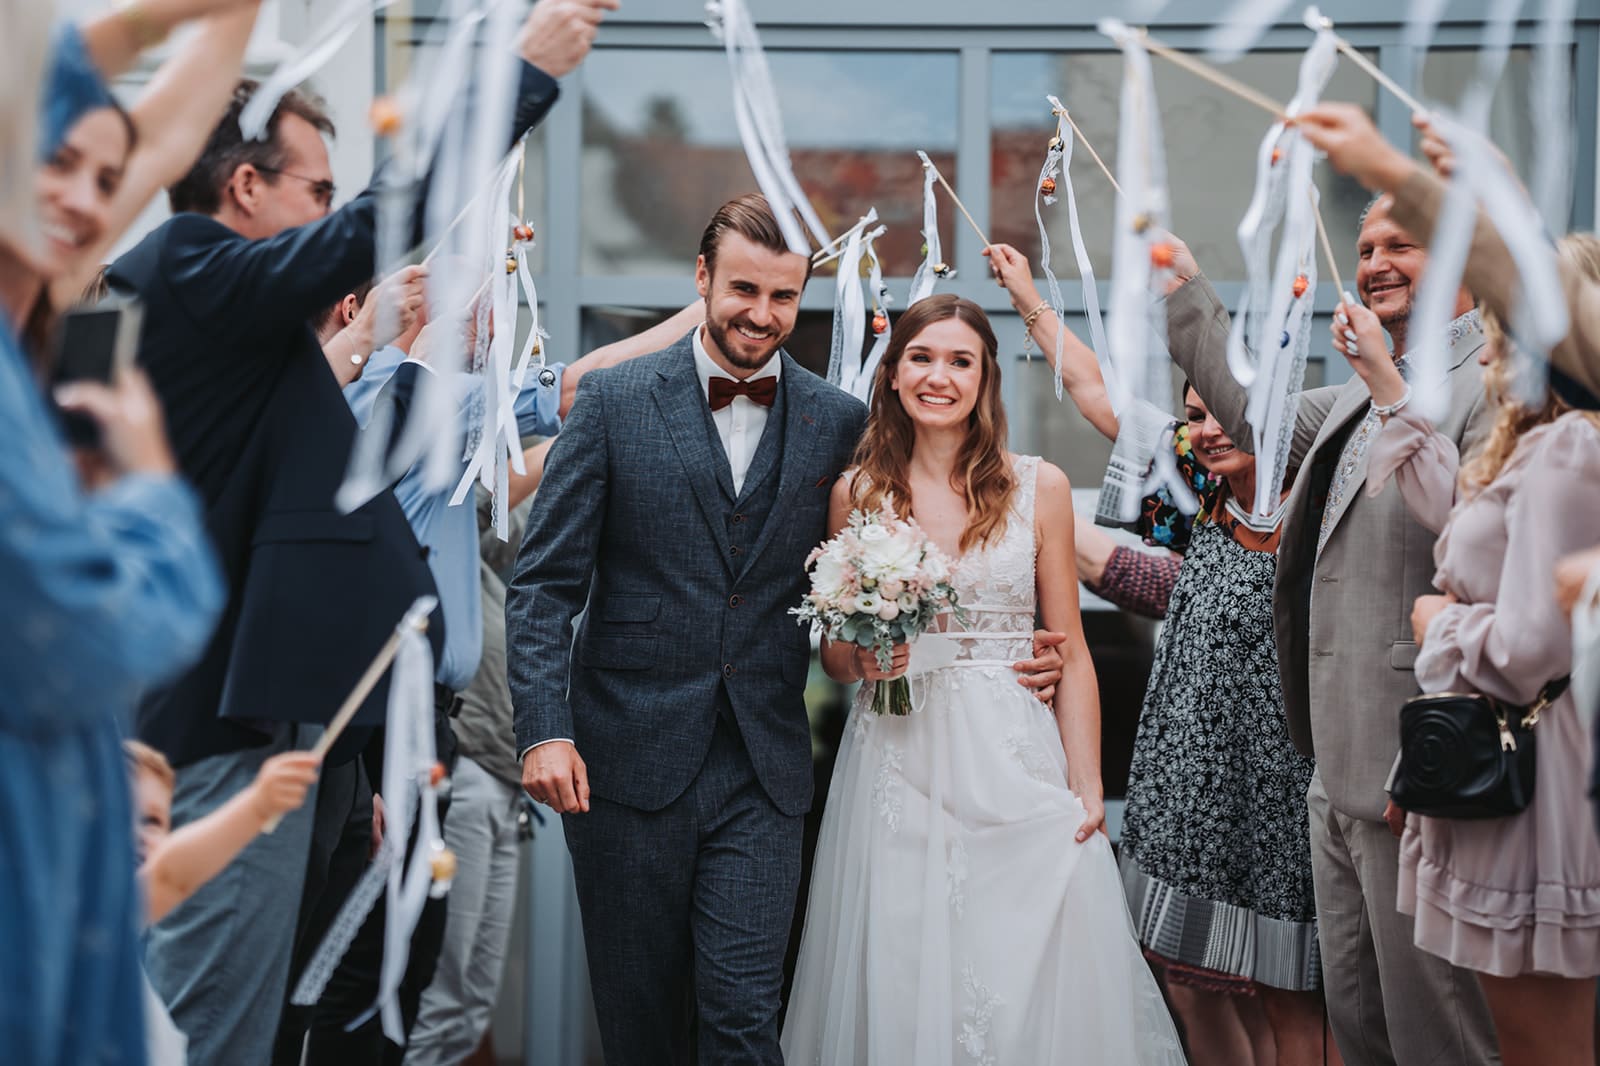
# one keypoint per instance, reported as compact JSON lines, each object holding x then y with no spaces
{"x":1213,"y":448}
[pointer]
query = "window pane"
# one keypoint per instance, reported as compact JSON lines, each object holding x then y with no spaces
{"x":661,"y":149}
{"x":1446,"y":76}
{"x":1211,"y":140}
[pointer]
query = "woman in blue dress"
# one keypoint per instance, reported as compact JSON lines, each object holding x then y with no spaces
{"x":107,"y":592}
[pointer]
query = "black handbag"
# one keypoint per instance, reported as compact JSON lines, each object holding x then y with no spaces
{"x":1467,"y":755}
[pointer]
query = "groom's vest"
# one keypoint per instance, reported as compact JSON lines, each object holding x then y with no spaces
{"x":746,"y":516}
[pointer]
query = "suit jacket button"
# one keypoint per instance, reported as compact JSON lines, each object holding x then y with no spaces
{"x":735,"y":600}
{"x":738,"y":518}
{"x":735,"y":550}
{"x":727,"y":671}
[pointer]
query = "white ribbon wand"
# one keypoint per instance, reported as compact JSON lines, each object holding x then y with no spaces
{"x":415,"y":619}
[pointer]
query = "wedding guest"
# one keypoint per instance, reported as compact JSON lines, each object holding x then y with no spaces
{"x":109,"y":592}
{"x":173,"y":865}
{"x":1228,"y":913}
{"x":253,"y":251}
{"x":1514,"y":899}
{"x":1348,"y":567}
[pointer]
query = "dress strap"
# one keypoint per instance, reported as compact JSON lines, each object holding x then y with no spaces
{"x":1027,"y":471}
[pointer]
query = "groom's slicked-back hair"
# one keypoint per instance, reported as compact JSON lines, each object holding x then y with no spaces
{"x":751,"y":217}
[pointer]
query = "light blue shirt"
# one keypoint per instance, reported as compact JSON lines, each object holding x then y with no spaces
{"x":450,"y":534}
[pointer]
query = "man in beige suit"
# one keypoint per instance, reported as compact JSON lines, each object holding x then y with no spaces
{"x":1349,"y":568}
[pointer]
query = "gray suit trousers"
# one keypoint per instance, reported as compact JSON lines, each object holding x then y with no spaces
{"x":1438,"y":1011}
{"x":686,"y":916}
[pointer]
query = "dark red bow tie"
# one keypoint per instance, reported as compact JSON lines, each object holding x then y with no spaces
{"x":758,"y":390}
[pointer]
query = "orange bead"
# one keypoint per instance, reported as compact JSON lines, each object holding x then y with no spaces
{"x":1301,"y":284}
{"x":1161,"y":255}
{"x":436,"y":774}
{"x":385,"y":116}
{"x":1277,"y":156}
{"x":1048,"y":186}
{"x":880,"y":322}
{"x":522,"y":231}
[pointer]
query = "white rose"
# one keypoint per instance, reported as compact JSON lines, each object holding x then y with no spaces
{"x":936,"y":567}
{"x":872,"y":534}
{"x":827,"y":578}
{"x":889,"y":610}
{"x":891,"y":557}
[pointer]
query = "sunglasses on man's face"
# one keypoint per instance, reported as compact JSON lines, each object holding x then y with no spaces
{"x":321,"y":188}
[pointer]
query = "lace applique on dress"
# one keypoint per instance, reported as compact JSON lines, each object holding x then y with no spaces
{"x":981,"y":1003}
{"x":1033,"y":761}
{"x":886,"y":787}
{"x":955,"y":877}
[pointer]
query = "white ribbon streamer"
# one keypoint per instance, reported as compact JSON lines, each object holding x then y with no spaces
{"x":1270,"y":335}
{"x":849,"y":310}
{"x":1059,"y":159}
{"x":869,"y":369}
{"x":923,"y":280}
{"x":1141,"y":390}
{"x":1552,"y":114}
{"x":755,"y":109}
{"x":1245,"y":23}
{"x":311,"y":57}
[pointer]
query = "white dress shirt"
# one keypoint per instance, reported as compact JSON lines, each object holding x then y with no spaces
{"x":741,"y":423}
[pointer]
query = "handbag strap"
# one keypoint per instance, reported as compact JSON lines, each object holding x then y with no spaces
{"x":1547,"y":695}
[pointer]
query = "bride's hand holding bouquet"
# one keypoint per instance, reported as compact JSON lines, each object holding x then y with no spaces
{"x":879,"y":584}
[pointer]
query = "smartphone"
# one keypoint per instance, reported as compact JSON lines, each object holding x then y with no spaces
{"x":96,"y":344}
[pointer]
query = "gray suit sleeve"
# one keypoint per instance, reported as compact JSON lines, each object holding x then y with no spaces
{"x":1197,"y":337}
{"x":551,"y":582}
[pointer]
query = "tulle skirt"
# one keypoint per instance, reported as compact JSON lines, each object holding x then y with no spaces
{"x":953,"y":917}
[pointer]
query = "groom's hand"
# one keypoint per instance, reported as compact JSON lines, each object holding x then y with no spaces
{"x":1043,"y":672}
{"x":554,"y":775}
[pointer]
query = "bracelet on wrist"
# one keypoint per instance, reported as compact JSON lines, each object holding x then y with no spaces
{"x":1384,"y":410}
{"x":1027,"y":324}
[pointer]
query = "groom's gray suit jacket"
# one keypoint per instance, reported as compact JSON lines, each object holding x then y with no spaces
{"x":687,"y":587}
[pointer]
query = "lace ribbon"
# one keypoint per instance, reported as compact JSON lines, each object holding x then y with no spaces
{"x":923,"y":280}
{"x":849,"y":309}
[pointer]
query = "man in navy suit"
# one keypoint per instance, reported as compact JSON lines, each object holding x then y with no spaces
{"x":229,"y":285}
{"x":678,"y":505}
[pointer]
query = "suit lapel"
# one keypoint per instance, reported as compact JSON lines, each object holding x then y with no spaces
{"x":677,"y":396}
{"x":1351,"y":408}
{"x":800,"y":433}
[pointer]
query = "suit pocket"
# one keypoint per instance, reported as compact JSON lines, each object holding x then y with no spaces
{"x":623,"y":608}
{"x":314,"y":526}
{"x":1403,"y":655}
{"x":618,"y":653}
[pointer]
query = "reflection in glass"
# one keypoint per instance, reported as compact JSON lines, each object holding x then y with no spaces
{"x":1211,"y":142}
{"x":1446,"y":77}
{"x":661,"y":149}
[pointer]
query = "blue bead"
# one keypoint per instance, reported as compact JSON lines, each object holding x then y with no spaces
{"x":1283,"y":341}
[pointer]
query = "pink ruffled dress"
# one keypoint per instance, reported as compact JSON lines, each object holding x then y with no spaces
{"x":1517,"y":895}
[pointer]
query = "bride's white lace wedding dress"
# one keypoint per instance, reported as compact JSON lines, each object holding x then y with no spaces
{"x":953,"y":916}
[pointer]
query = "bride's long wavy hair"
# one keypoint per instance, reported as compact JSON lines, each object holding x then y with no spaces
{"x":982,"y":470}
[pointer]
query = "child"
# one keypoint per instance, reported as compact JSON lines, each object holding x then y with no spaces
{"x":172,"y":866}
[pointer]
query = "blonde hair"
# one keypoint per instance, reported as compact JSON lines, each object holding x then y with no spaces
{"x":142,"y":757}
{"x":1578,"y":251}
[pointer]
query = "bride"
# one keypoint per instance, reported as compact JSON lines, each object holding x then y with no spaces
{"x":966,"y":906}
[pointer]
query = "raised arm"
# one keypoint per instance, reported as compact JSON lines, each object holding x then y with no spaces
{"x":651,"y":340}
{"x":173,"y":117}
{"x":201,"y":850}
{"x":1080,"y":371}
{"x":1078,"y":701}
{"x":1355,"y":147}
{"x":116,"y":39}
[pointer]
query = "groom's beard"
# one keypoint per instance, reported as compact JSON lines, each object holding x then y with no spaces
{"x":740,"y":350}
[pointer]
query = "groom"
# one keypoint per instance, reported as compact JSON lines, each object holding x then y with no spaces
{"x":678,"y":506}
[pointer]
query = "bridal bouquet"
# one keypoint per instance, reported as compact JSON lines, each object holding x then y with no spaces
{"x":878,"y":583}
